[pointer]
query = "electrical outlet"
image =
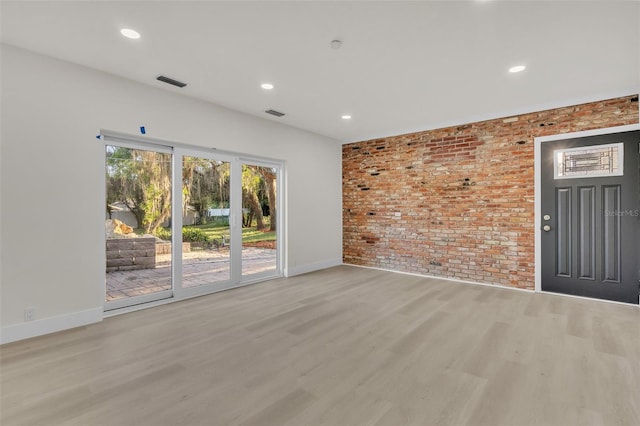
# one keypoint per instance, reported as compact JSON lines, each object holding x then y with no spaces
{"x":30,"y":314}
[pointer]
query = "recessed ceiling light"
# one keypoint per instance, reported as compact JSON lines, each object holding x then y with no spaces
{"x":129,"y":33}
{"x":517,"y":68}
{"x":346,"y":117}
{"x":267,"y":86}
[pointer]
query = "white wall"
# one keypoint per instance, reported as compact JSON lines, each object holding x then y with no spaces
{"x":52,"y":111}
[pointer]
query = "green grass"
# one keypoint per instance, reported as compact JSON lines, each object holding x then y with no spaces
{"x":216,"y":231}
{"x":213,"y":230}
{"x":249,"y":235}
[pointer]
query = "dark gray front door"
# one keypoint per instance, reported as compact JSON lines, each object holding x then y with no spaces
{"x":591,"y":220}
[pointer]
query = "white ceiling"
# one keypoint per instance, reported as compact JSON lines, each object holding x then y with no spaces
{"x":403,"y":66}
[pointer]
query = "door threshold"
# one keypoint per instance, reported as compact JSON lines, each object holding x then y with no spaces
{"x":636,"y":305}
{"x":140,"y":306}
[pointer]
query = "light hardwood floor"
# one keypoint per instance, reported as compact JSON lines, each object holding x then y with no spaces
{"x":343,"y":346}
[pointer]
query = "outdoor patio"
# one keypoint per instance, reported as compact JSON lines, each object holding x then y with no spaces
{"x":198,"y":268}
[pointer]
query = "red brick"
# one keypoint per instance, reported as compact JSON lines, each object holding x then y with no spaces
{"x":420,"y":215}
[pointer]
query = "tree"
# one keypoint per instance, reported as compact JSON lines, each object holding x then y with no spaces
{"x":205,"y":184}
{"x":141,"y":180}
{"x":155,"y":176}
{"x":269,"y":180}
{"x":251,"y":184}
{"x":121,"y":184}
{"x":195,"y":185}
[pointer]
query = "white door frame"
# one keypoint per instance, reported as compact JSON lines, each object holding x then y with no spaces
{"x":178,"y":150}
{"x":280,"y":222}
{"x":180,"y":292}
{"x":158,"y":296}
{"x":538,"y":184}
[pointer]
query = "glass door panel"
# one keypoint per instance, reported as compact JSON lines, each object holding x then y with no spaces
{"x":259,"y":220}
{"x":138,"y":211}
{"x":182,"y":222}
{"x":206,"y":234}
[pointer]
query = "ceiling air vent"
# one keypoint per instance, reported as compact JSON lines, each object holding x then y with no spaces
{"x":274,"y":112}
{"x":170,"y":81}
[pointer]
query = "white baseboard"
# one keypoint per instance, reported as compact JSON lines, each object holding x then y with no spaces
{"x":26,"y":330}
{"x":500,"y":286}
{"x":436,"y":277}
{"x":310,"y":267}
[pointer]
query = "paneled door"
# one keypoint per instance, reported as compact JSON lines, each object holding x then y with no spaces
{"x":591,"y":216}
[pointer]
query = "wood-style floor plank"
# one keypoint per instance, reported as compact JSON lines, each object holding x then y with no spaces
{"x":343,"y":346}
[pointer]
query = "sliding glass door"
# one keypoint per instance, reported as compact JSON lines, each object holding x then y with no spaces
{"x":206,"y":203}
{"x":181,"y":222}
{"x":259,"y":219}
{"x":138,"y":208}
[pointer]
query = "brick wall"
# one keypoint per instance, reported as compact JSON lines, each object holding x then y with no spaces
{"x":125,"y":254}
{"x":457,"y":202}
{"x":165,"y":248}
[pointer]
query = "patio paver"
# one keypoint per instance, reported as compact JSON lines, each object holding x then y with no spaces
{"x":198,"y":268}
